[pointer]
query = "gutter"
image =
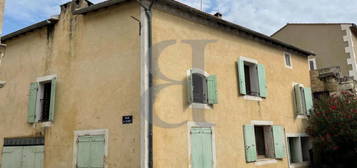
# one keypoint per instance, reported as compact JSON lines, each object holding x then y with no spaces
{"x":146,"y":85}
{"x":38,"y":25}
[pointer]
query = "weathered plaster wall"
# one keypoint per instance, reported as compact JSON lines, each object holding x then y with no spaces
{"x":232,"y":111}
{"x":325,"y":40}
{"x":96,"y":60}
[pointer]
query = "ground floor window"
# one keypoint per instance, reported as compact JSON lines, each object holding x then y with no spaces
{"x":201,"y":147}
{"x":263,"y":142}
{"x":299,"y":149}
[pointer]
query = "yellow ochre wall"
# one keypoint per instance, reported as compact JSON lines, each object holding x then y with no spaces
{"x":96,"y":60}
{"x":171,"y":109}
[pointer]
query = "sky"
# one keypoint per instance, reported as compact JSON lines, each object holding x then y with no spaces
{"x":265,"y":16}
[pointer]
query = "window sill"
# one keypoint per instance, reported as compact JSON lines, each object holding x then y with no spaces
{"x":261,"y":162}
{"x":200,"y":106}
{"x":254,"y":98}
{"x":46,"y":124}
{"x":296,"y":165}
{"x":302,"y":116}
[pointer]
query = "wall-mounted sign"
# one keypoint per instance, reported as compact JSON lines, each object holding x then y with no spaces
{"x":127,"y":119}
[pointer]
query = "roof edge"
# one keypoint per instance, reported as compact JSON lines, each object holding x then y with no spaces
{"x":38,"y":25}
{"x":98,"y":6}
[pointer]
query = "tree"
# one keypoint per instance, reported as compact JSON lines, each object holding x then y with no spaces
{"x":333,"y":128}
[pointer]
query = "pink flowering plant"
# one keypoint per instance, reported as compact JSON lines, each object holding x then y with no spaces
{"x":333,"y":125}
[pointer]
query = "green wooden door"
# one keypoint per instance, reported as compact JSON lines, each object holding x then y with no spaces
{"x":90,"y":152}
{"x":12,"y":157}
{"x":201,"y":148}
{"x":32,"y":157}
{"x":23,"y":157}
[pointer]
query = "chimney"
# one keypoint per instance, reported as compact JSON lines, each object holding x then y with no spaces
{"x":218,"y":15}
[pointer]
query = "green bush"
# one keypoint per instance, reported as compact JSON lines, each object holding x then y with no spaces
{"x":333,"y":128}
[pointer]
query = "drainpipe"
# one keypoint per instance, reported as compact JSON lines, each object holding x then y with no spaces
{"x":147,"y":87}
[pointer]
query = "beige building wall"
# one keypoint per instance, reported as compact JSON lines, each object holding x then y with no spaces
{"x":171,"y":146}
{"x":96,"y":60}
{"x":325,"y":40}
{"x":2,"y":7}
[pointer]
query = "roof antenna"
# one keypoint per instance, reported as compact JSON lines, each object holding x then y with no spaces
{"x":201,"y":6}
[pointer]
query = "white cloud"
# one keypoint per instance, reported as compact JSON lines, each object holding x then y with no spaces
{"x":264,"y":16}
{"x":267,"y":16}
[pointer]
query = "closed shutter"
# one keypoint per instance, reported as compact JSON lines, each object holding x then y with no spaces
{"x":249,"y":141}
{"x":97,"y":151}
{"x":31,"y":114}
{"x":262,"y":81}
{"x":33,"y":156}
{"x":298,"y":99}
{"x":241,"y":77}
{"x":308,"y":100}
{"x":90,"y":151}
{"x":189,"y":88}
{"x":12,"y":157}
{"x":53,"y":99}
{"x":201,"y":148}
{"x":278,"y":138}
{"x":212,"y":89}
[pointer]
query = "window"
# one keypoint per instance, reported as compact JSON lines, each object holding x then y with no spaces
{"x":251,"y":78}
{"x":201,"y":147}
{"x":312,"y":64}
{"x":202,"y":88}
{"x":303,"y":100}
{"x":299,"y":149}
{"x":42,"y":100}
{"x":263,"y":141}
{"x":287,"y":58}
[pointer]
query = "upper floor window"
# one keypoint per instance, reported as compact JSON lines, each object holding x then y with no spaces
{"x":287,"y":58}
{"x":251,"y":77}
{"x":312,"y":64}
{"x":42,"y":100}
{"x":202,"y":88}
{"x":303,"y":99}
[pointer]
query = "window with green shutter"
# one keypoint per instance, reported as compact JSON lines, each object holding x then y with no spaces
{"x":90,"y":151}
{"x":41,"y":104}
{"x":263,"y":141}
{"x":251,"y":78}
{"x":201,"y":88}
{"x":303,"y":100}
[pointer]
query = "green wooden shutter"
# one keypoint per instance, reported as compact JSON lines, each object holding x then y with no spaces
{"x":33,"y":156}
{"x":278,"y":136}
{"x":189,"y":88}
{"x":262,"y":81}
{"x":308,"y":100}
{"x":249,"y":141}
{"x":53,"y":99}
{"x":31,"y":114}
{"x":298,"y":99}
{"x":212,"y":89}
{"x":201,"y":148}
{"x":12,"y":157}
{"x":83,"y":151}
{"x":241,"y":77}
{"x":97,"y":150}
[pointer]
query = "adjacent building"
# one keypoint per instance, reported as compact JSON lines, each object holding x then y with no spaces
{"x":221,"y":95}
{"x":334,"y":45}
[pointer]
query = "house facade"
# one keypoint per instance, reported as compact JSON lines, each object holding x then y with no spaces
{"x":222,"y":95}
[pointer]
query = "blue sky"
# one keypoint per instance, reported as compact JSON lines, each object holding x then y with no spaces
{"x":265,"y":16}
